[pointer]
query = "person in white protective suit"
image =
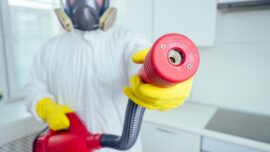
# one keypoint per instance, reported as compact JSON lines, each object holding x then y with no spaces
{"x":85,"y":71}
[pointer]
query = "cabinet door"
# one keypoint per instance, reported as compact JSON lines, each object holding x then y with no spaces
{"x":160,"y":139}
{"x":135,"y":14}
{"x":193,"y":18}
{"x":214,"y":145}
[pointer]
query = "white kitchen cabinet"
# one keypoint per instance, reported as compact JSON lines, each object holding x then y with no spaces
{"x":162,"y":139}
{"x":193,"y":18}
{"x":135,"y":14}
{"x":215,"y":145}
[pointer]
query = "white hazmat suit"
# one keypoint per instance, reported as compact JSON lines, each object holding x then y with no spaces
{"x":87,"y":71}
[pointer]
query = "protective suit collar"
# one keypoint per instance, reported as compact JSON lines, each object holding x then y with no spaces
{"x":86,"y":35}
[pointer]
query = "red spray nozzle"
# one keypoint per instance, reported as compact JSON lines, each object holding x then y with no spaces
{"x":172,"y":59}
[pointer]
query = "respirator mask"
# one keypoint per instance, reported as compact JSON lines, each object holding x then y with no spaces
{"x":87,"y":15}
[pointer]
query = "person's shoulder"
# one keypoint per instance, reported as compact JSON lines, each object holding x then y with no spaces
{"x":53,"y":43}
{"x":124,"y":31}
{"x":118,"y":27}
{"x":59,"y":37}
{"x":59,"y":40}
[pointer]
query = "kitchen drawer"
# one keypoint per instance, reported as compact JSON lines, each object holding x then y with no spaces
{"x":160,"y":139}
{"x":213,"y":145}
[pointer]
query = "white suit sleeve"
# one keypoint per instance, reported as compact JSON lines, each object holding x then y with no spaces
{"x":135,"y":42}
{"x":37,"y":86}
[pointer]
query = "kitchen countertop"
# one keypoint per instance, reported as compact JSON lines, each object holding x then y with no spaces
{"x":190,"y":117}
{"x":12,"y":112}
{"x":243,"y":124}
{"x":15,"y":118}
{"x":193,"y":118}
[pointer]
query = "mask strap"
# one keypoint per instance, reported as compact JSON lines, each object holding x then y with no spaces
{"x":102,"y":6}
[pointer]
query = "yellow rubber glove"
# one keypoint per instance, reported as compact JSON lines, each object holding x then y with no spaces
{"x":152,"y":97}
{"x":53,"y":114}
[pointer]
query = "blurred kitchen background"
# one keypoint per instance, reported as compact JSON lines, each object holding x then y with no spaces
{"x":229,"y":107}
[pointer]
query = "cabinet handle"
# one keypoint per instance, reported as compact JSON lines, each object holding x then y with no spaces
{"x":167,"y":131}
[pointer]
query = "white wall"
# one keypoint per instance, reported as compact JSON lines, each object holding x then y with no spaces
{"x":20,"y":46}
{"x":3,"y":78}
{"x":235,"y":73}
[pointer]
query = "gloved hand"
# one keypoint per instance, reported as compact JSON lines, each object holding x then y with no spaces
{"x":53,"y":114}
{"x":152,"y":97}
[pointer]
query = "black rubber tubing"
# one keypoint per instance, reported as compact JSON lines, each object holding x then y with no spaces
{"x":131,"y":129}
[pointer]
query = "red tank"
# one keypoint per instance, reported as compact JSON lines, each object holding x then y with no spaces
{"x":75,"y":139}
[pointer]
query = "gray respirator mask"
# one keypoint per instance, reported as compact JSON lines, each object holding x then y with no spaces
{"x":87,"y":15}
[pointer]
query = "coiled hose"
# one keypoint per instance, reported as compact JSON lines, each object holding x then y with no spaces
{"x":131,"y":129}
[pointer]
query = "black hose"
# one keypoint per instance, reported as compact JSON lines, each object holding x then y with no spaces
{"x":37,"y":136}
{"x":131,"y":129}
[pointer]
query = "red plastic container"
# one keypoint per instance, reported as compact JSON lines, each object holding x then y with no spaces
{"x":75,"y":139}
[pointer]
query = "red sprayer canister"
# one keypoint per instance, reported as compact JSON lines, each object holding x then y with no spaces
{"x":172,"y":59}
